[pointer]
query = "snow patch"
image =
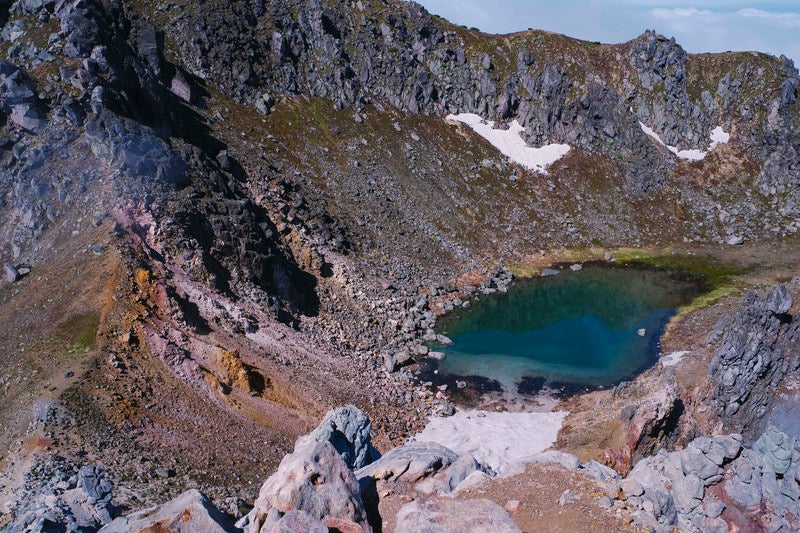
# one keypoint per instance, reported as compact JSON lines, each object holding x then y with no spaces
{"x":510,"y":144}
{"x":673,"y":358}
{"x":717,"y":136}
{"x":503,"y":441}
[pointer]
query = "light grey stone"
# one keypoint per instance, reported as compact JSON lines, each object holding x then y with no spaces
{"x":188,"y":513}
{"x":450,"y":515}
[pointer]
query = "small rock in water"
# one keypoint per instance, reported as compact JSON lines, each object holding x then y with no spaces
{"x":576,"y":267}
{"x":444,"y":340}
{"x":641,"y":332}
{"x":438,"y":356}
{"x":461,"y":384}
{"x":549,"y":272}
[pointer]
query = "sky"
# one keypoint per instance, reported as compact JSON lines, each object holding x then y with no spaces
{"x":701,"y":26}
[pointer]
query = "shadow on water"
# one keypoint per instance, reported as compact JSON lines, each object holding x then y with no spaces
{"x":564,"y":335}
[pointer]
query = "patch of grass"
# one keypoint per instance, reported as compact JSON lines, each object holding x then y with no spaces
{"x":525,"y":270}
{"x":719,"y":279}
{"x":79,"y":332}
{"x":710,"y":298}
{"x":715,"y":274}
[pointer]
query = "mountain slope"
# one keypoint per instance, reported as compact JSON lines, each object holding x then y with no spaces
{"x":235,"y":213}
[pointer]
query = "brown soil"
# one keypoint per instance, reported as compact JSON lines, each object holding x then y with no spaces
{"x":537,"y":491}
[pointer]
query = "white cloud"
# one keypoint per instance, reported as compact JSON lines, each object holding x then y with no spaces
{"x":789,"y":20}
{"x":679,"y":12}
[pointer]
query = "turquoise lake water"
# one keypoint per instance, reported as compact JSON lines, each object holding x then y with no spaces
{"x":578,"y":329}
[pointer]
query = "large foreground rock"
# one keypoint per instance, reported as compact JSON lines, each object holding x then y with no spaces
{"x":188,"y":513}
{"x":313,"y":479}
{"x":452,"y":515}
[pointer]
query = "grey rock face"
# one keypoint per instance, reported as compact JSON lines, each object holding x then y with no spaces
{"x":743,"y":485}
{"x":188,"y":513}
{"x":348,"y":430}
{"x":757,"y":350}
{"x":452,"y":515}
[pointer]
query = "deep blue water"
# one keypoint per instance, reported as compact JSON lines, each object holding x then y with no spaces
{"x":573,"y":328}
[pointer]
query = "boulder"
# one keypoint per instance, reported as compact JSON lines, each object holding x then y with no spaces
{"x":18,"y":98}
{"x":10,"y":274}
{"x":61,"y":497}
{"x":348,"y":430}
{"x":411,"y":462}
{"x":397,"y":360}
{"x":451,"y":515}
{"x":264,"y":103}
{"x":181,"y":88}
{"x":190,"y":512}
{"x":778,"y":300}
{"x":313,"y":479}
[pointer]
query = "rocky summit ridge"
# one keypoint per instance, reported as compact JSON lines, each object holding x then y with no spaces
{"x":220,"y":220}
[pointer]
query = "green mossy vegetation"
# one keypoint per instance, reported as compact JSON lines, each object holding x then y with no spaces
{"x":720,"y":280}
{"x":79,"y":333}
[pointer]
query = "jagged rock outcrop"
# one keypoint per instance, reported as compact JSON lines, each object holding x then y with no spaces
{"x":713,"y":484}
{"x":190,"y":512}
{"x":414,"y":63}
{"x":758,"y":348}
{"x":349,"y":431}
{"x":58,"y":496}
{"x":317,"y":482}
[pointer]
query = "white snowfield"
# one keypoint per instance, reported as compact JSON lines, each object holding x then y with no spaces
{"x":503,"y":441}
{"x":510,"y":144}
{"x":717,"y":136}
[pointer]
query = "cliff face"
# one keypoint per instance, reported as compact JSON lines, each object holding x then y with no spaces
{"x":755,"y":358}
